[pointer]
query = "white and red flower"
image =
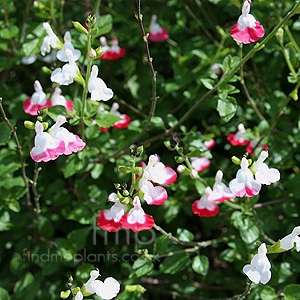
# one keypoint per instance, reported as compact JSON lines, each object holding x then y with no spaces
{"x":37,"y":101}
{"x":259,"y":268}
{"x":113,"y":52}
{"x":46,"y":147}
{"x":247,"y":29}
{"x":50,"y":40}
{"x":111,"y":219}
{"x":106,"y":290}
{"x":209,"y":144}
{"x":136,"y":219}
{"x":159,"y":173}
{"x":244,"y":184}
{"x":122,"y":124}
{"x":157,"y":33}
{"x":59,"y":99}
{"x":205,"y":207}
{"x":236,"y":139}
{"x":73,"y":143}
{"x":200,"y":163}
{"x":220,"y":192}
{"x":61,"y":54}
{"x":263,"y":174}
{"x":97,"y":87}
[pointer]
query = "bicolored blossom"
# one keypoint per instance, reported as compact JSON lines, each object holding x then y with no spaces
{"x":59,"y":99}
{"x":264,"y":174}
{"x":159,"y":173}
{"x":97,"y":87}
{"x":50,"y":40}
{"x":200,"y":163}
{"x":250,"y":147}
{"x":111,"y":219}
{"x":73,"y":143}
{"x":157,"y":33}
{"x":46,"y":147}
{"x":61,"y":54}
{"x":235,"y":138}
{"x":122,"y":124}
{"x":37,"y":101}
{"x":66,"y":74}
{"x":289,"y":241}
{"x":247,"y":29}
{"x":136,"y":219}
{"x":113,"y":52}
{"x":220,"y":192}
{"x":244,"y":184}
{"x":259,"y":268}
{"x":205,"y":207}
{"x":153,"y":195}
{"x":107,"y":289}
{"x":209,"y":144}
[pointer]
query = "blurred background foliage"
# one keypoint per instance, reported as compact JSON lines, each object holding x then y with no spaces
{"x":74,"y":189}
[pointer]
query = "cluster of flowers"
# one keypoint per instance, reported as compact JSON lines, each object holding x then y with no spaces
{"x":237,"y":139}
{"x":243,"y":185}
{"x":132,"y":216}
{"x":107,"y":289}
{"x":259,"y":268}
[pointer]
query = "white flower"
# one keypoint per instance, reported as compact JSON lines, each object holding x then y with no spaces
{"x":50,"y":40}
{"x":154,"y":26}
{"x":104,"y":44}
{"x":66,"y":74}
{"x":246,"y":20}
{"x":79,"y":296}
{"x":220,"y":191}
{"x":38,"y":97}
{"x":57,"y":98}
{"x":115,"y":45}
{"x":287,"y":243}
{"x":97,"y":87}
{"x":263,"y":174}
{"x":244,"y":184}
{"x":106,"y":290}
{"x":259,"y":268}
{"x":61,"y":54}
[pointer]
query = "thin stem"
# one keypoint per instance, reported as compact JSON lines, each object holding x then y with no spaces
{"x":287,"y":29}
{"x":253,"y":104}
{"x":244,"y":294}
{"x":258,"y":223}
{"x":5,"y":13}
{"x":35,"y":192}
{"x":85,"y":90}
{"x":97,"y":8}
{"x":132,"y":177}
{"x":288,"y":61}
{"x":198,"y":244}
{"x":19,"y":149}
{"x":23,"y":30}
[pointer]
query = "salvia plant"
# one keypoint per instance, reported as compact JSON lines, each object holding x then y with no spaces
{"x":149,"y":150}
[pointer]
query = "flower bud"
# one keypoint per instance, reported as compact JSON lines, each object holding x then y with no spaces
{"x":92,"y":54}
{"x":179,"y":159}
{"x":90,"y":21}
{"x":279,"y":35}
{"x":46,"y":70}
{"x":29,"y":125}
{"x":79,"y":27}
{"x":125,"y":193}
{"x":137,"y":170}
{"x":193,"y":173}
{"x":180,"y":169}
{"x":125,"y":201}
{"x":236,"y":160}
{"x":45,"y":125}
{"x":99,"y":51}
{"x":174,"y":141}
{"x":140,"y":149}
{"x":94,"y":31}
{"x":117,"y":186}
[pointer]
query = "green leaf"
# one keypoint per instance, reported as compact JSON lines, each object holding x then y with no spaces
{"x":97,"y":171}
{"x":9,"y":33}
{"x":4,"y":294}
{"x":268,"y":293}
{"x":175,"y":263}
{"x":195,"y":153}
{"x":57,"y":110}
{"x":200,"y":264}
{"x":65,"y":294}
{"x":227,"y":108}
{"x":79,"y":236}
{"x":237,"y":3}
{"x":104,"y":23}
{"x":208,"y":83}
{"x":185,"y":235}
{"x":142,"y":266}
{"x":66,"y":249}
{"x":292,"y":292}
{"x":5,"y":133}
{"x":14,"y":205}
{"x":106,"y":119}
{"x":200,"y":187}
